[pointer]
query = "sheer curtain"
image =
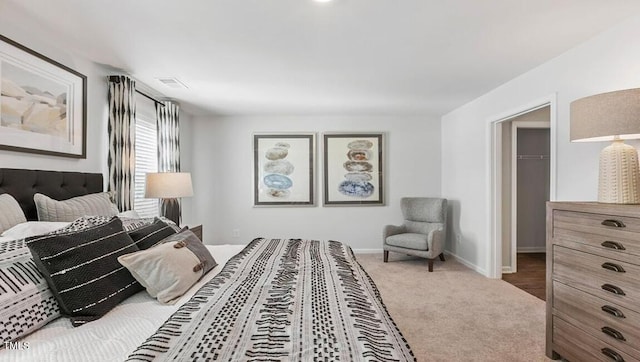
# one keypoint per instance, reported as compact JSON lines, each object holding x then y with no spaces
{"x":121,"y":130}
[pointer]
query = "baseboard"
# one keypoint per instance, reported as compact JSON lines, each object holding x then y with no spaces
{"x":462,"y":261}
{"x":533,"y":249}
{"x":507,"y":270}
{"x":466,"y":263}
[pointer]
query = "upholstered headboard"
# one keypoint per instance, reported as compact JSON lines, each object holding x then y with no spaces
{"x":23,"y":184}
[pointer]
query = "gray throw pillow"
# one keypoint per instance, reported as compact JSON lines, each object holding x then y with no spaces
{"x":98,"y":204}
{"x":10,"y":213}
{"x":148,"y":235}
{"x":170,"y":269}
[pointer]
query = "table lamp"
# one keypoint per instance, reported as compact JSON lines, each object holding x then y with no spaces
{"x":169,"y":186}
{"x":613,"y":116}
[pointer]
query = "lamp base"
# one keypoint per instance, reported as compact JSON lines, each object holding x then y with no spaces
{"x":170,"y":208}
{"x":618,"y":181}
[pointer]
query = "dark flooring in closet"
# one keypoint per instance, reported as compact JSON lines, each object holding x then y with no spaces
{"x":531,"y":274}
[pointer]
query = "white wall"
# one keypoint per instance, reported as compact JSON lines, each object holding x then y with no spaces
{"x":610,"y":61}
{"x":186,"y":165}
{"x":25,"y":30}
{"x":222,"y":162}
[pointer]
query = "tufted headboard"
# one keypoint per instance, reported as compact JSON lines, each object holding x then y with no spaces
{"x":23,"y":184}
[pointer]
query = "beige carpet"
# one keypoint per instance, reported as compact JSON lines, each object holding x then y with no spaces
{"x":456,"y":314}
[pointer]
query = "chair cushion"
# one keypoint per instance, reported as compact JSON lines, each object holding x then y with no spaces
{"x":409,"y":241}
{"x":424,"y":209}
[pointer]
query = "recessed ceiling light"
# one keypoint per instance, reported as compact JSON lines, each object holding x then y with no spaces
{"x":323,"y":1}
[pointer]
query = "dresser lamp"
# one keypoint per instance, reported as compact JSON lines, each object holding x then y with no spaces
{"x":169,"y":186}
{"x":613,"y":116}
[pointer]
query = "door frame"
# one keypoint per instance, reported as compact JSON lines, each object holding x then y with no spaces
{"x":494,"y":174}
{"x":515,"y":125}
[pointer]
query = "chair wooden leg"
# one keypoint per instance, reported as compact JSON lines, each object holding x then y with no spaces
{"x":386,"y":256}
{"x":442,"y":256}
{"x":430,"y":265}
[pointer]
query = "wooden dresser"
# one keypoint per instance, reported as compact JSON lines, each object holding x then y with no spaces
{"x":593,"y":281}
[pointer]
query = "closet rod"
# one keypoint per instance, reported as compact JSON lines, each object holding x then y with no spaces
{"x":533,"y":157}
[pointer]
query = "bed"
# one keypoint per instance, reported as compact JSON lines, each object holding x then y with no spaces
{"x":269,"y":300}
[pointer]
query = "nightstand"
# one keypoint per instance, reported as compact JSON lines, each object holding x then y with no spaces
{"x":197,"y":230}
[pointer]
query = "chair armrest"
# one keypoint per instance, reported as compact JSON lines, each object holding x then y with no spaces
{"x":435,"y":242}
{"x":389,"y":230}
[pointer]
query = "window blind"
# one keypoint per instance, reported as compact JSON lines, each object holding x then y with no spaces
{"x":146,"y":159}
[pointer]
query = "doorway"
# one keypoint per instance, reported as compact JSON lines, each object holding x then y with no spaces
{"x":539,"y":119}
{"x":528,"y":174}
{"x":526,"y":185}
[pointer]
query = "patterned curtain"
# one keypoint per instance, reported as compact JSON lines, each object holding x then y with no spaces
{"x":168,"y":136}
{"x":168,"y":121}
{"x":121,"y":129}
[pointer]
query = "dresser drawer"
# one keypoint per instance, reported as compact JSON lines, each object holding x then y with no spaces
{"x":578,"y":346}
{"x":587,"y":272}
{"x":609,"y":322}
{"x":587,"y":228}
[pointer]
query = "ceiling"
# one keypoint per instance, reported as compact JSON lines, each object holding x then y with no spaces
{"x":348,"y":57}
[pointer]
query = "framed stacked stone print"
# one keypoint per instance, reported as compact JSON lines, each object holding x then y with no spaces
{"x":283,"y":169}
{"x":353,"y":169}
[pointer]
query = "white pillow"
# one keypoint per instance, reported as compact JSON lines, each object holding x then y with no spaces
{"x":10,"y":212}
{"x":32,"y":228}
{"x":98,"y":204}
{"x":170,"y":269}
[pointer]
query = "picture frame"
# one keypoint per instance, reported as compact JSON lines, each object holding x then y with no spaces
{"x":284,"y":169}
{"x":43,"y":108}
{"x":353,"y":169}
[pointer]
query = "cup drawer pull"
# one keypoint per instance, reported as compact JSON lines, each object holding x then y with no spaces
{"x":613,"y":223}
{"x":612,"y":354}
{"x":613,"y":289}
{"x":613,"y":245}
{"x":613,"y":333}
{"x":613,"y":267}
{"x":613,"y":311}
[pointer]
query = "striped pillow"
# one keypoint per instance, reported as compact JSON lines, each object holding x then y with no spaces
{"x":26,"y":302}
{"x":82,"y":269}
{"x":71,"y":209}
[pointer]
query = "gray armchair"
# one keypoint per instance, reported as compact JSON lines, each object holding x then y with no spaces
{"x":423,"y":232}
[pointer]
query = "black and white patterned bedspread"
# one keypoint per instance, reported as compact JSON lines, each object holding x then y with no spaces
{"x":282,"y":300}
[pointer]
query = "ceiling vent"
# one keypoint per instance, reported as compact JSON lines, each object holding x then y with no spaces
{"x":172,"y":83}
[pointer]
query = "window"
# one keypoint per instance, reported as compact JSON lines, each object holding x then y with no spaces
{"x":146,"y":155}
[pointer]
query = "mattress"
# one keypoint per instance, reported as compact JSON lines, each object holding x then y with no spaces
{"x":114,"y":336}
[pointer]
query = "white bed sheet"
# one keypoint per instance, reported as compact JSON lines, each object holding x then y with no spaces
{"x":112,"y":337}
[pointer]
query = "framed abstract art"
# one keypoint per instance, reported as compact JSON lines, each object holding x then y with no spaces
{"x":44,"y":103}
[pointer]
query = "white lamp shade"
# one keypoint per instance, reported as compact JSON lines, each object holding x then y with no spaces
{"x":168,"y":185}
{"x":606,"y":116}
